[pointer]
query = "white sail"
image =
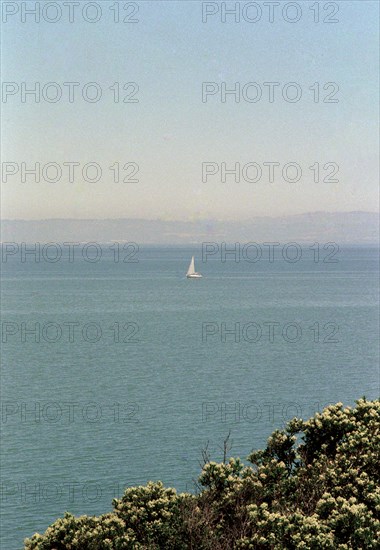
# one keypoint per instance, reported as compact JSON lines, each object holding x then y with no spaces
{"x":191,"y":273}
{"x":191,"y":269}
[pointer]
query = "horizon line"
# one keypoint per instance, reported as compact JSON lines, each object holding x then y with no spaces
{"x":335,"y":212}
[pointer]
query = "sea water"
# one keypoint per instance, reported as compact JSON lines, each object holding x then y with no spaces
{"x":118,"y":372}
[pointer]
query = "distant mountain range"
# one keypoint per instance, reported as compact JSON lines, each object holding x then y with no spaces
{"x":340,"y":227}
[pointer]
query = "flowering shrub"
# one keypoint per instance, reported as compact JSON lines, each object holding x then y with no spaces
{"x":153,"y":514}
{"x":315,"y":486}
{"x":93,"y":533}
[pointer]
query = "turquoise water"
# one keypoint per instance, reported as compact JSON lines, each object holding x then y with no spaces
{"x":141,"y":383}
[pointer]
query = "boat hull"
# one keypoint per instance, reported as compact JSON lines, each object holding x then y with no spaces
{"x":194,"y":276}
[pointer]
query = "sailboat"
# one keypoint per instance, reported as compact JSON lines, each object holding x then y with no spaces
{"x":191,"y":273}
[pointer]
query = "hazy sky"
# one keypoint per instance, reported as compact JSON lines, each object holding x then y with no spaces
{"x":170,"y":132}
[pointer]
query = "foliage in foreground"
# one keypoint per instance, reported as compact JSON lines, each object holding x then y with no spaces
{"x":315,"y":486}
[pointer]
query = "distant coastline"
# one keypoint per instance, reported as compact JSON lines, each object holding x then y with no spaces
{"x":350,"y":228}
